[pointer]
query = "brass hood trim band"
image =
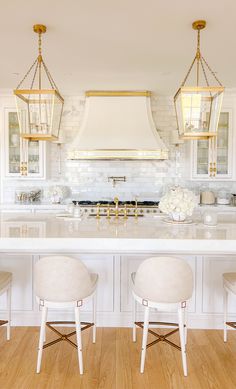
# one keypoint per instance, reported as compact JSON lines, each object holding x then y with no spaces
{"x":117,"y":93}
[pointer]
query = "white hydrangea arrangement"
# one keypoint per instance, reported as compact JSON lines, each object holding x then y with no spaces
{"x":178,"y":203}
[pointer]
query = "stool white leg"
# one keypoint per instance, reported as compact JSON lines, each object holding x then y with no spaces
{"x":134,"y":310}
{"x":94,"y":316}
{"x":79,"y":340}
{"x":225,"y":302}
{"x":185,"y":316}
{"x":9,"y":312}
{"x":182,"y":340}
{"x":41,"y":338}
{"x":144,"y":341}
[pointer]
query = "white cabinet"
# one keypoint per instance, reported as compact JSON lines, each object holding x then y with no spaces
{"x":20,"y":157}
{"x":213,"y":159}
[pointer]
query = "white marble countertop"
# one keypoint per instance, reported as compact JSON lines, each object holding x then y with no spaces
{"x":31,"y":206}
{"x":32,"y":232}
{"x":8,"y":207}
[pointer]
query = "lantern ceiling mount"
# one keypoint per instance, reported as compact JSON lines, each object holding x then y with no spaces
{"x":39,"y":28}
{"x":198,"y":107}
{"x":39,"y":103}
{"x":199,"y":24}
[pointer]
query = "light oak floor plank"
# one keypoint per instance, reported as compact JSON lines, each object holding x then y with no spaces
{"x":113,"y":362}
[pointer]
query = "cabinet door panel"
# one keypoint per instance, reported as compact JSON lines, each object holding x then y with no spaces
{"x":214,"y":160}
{"x":130,"y":264}
{"x":22,"y":287}
{"x":213,"y":268}
{"x":21,"y":158}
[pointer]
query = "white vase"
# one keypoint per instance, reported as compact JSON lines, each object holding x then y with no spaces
{"x":178,"y":216}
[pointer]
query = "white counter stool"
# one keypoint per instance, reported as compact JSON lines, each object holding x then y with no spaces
{"x":229,"y":286}
{"x":165,"y":284}
{"x":62,"y":282}
{"x":5,"y":287}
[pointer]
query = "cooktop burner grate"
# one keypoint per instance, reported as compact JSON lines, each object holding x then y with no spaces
{"x":112,"y":204}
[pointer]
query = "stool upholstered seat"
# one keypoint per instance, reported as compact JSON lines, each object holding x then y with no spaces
{"x":5,"y":279}
{"x":64,"y":282}
{"x":5,"y":287}
{"x":229,"y":280}
{"x":165,"y":284}
{"x":229,"y":285}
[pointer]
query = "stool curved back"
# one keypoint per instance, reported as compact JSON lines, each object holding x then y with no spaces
{"x":5,"y":287}
{"x":164,"y":280}
{"x":62,"y":279}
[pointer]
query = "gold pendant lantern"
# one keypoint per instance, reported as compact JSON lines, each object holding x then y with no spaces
{"x":40,"y":104}
{"x":198,"y":107}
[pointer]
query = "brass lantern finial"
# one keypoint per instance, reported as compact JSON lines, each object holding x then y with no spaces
{"x":198,"y":107}
{"x":40,"y":104}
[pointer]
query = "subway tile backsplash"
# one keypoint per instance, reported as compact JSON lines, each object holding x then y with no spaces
{"x":89,"y":179}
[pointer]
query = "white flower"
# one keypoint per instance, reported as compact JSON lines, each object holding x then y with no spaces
{"x":178,"y":200}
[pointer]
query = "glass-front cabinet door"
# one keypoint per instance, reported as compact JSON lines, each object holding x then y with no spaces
{"x":212,"y":159}
{"x":13,"y":143}
{"x":22,"y":158}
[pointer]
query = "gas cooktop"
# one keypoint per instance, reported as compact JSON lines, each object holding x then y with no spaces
{"x":87,"y":203}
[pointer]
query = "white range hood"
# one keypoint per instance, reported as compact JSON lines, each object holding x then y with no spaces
{"x":118,"y":125}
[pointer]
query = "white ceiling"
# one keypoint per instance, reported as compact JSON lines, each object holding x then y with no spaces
{"x":122,"y":44}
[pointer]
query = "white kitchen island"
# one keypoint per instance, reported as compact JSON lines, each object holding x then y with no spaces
{"x":114,"y":249}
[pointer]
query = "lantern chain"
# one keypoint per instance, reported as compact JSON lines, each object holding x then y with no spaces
{"x":200,"y":60}
{"x":26,"y":75}
{"x":51,"y":80}
{"x":204,"y":71}
{"x":211,"y":71}
{"x":40,"y":44}
{"x":189,"y":71}
{"x":34,"y":76}
{"x":198,"y":55}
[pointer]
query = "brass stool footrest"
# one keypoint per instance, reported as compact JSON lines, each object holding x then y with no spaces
{"x":231,"y":324}
{"x":2,"y":322}
{"x":161,"y":338}
{"x":65,"y":337}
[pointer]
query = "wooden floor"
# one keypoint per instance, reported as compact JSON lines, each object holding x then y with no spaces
{"x":113,"y":362}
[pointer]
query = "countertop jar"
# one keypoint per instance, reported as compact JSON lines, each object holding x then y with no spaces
{"x":223,"y":197}
{"x":233,"y":199}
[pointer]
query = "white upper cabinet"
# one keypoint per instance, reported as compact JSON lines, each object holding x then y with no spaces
{"x":213,"y":159}
{"x":21,"y":158}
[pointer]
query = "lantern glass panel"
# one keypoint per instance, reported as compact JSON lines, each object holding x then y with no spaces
{"x":179,"y":114}
{"x":56,"y":115}
{"x":192,"y":107}
{"x":215,"y":111}
{"x":39,"y":113}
